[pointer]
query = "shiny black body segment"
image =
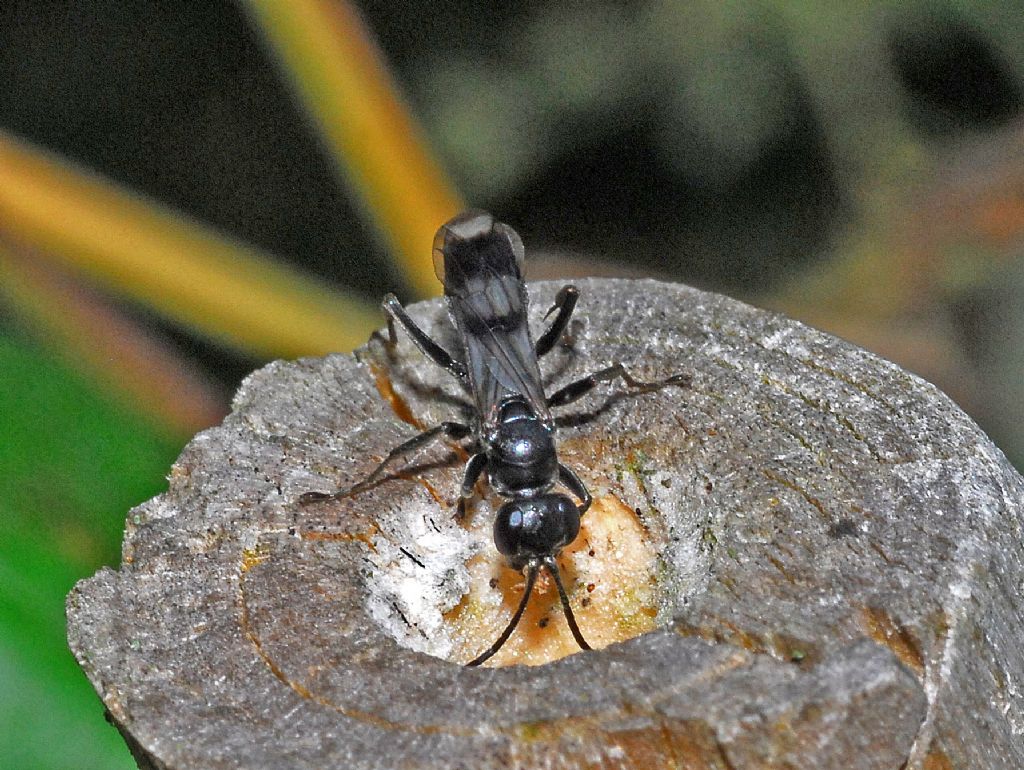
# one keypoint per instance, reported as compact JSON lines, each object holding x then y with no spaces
{"x":479,"y":261}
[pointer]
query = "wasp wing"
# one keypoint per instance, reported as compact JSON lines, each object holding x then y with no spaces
{"x":500,"y":358}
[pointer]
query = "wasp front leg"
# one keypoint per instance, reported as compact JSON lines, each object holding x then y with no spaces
{"x":474,"y":468}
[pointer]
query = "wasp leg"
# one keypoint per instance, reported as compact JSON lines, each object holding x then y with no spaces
{"x":565,"y":302}
{"x":430,"y":349}
{"x":453,"y":430}
{"x":474,"y":468}
{"x":576,"y":390}
{"x":573,"y":483}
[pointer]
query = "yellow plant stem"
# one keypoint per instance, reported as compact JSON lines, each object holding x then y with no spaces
{"x":182,"y":269}
{"x":342,"y":81}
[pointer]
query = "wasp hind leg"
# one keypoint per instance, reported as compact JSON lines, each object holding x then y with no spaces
{"x":565,"y":302}
{"x":430,"y":349}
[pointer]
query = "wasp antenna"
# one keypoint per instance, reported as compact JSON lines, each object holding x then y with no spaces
{"x":552,"y":566}
{"x":531,"y":578}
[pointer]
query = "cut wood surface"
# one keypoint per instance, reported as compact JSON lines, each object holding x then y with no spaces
{"x":819,"y":564}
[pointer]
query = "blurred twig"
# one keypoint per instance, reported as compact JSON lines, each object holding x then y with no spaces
{"x":922,"y":250}
{"x":115,"y":351}
{"x":920,"y":244}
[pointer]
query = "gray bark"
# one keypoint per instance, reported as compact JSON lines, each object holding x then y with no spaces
{"x":840,"y":584}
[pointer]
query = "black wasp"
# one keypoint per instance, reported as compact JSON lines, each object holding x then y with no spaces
{"x":479,"y":261}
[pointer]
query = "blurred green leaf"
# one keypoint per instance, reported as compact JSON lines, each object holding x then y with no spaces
{"x":71,"y":465}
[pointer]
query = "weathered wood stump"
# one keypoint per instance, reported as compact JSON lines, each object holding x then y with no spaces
{"x":823,"y":560}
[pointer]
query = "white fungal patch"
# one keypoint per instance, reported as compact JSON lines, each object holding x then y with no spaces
{"x":418,"y":572}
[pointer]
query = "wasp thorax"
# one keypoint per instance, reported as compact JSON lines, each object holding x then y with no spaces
{"x":522,"y":457}
{"x":534,"y":527}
